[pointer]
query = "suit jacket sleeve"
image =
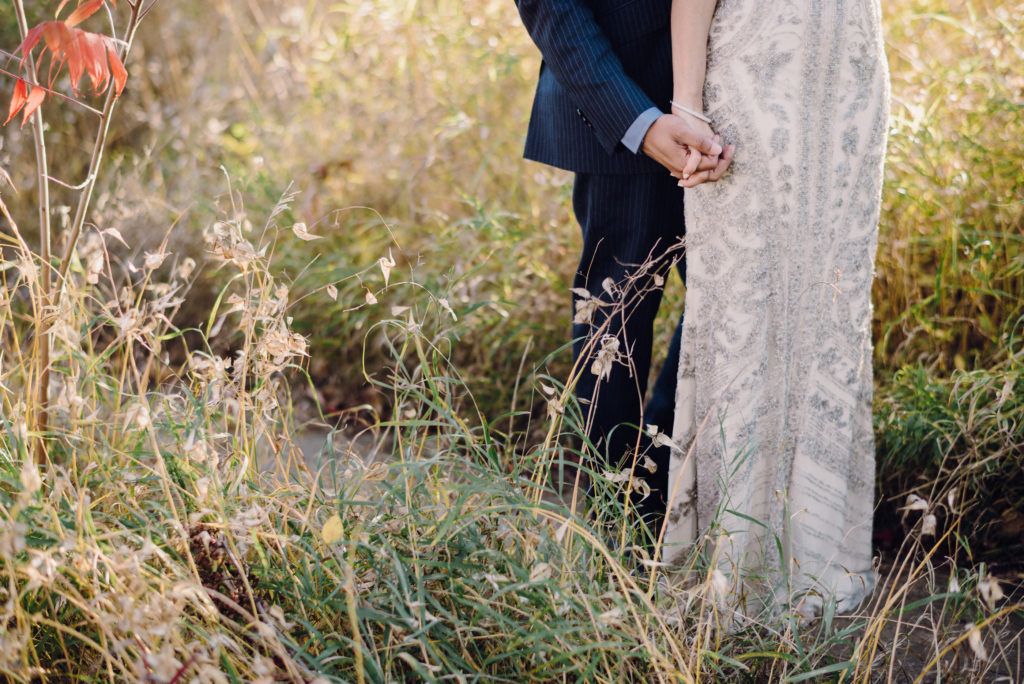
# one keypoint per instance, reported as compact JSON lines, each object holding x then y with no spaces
{"x":581,"y":58}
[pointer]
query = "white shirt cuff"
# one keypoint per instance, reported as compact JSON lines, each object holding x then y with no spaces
{"x":634,"y":136}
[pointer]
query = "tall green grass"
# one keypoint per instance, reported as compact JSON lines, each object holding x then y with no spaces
{"x":155,"y":548}
{"x":951,"y":260}
{"x":949,"y":298}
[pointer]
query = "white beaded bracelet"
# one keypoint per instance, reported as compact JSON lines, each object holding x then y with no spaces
{"x":689,"y":111}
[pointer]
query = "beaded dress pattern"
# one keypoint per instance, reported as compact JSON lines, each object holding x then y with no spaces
{"x":775,"y":466}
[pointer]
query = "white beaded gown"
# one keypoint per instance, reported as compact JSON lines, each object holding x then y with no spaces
{"x":775,"y":468}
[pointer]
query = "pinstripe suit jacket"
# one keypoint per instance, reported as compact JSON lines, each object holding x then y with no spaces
{"x":604,"y":63}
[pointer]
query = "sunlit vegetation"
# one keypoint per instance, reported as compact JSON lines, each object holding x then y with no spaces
{"x":312,"y":218}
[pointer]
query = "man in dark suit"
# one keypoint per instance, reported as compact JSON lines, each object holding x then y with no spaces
{"x":605,"y":83}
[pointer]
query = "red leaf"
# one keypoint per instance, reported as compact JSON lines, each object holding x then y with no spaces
{"x":117,"y":68}
{"x":93,"y":50}
{"x":52,"y":32}
{"x":83,"y":12}
{"x":76,"y":61}
{"x":64,"y":2}
{"x":57,"y":36}
{"x":17,"y":100}
{"x":35,"y":98}
{"x":30,"y":42}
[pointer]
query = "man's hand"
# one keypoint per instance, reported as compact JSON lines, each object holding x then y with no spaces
{"x":691,"y":156}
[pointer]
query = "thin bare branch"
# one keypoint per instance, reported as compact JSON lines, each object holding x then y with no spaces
{"x":147,"y":10}
{"x":43,"y":335}
{"x":61,"y":183}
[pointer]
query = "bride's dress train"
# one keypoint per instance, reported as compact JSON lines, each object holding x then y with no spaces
{"x":776,"y":469}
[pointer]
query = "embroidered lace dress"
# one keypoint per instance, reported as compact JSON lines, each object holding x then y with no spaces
{"x":776,"y":469}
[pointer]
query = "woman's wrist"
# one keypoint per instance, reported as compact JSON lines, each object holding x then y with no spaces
{"x":689,"y":97}
{"x":696,"y":111}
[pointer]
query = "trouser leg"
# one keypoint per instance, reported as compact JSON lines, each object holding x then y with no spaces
{"x":660,"y":411}
{"x":626,"y":221}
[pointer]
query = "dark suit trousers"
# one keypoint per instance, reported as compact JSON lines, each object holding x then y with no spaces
{"x":627,"y":220}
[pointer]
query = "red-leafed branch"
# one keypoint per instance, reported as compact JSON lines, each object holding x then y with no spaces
{"x":100,"y":59}
{"x":101,"y":141}
{"x":83,"y":53}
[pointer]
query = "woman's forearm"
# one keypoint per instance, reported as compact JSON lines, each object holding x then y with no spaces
{"x":691,"y":22}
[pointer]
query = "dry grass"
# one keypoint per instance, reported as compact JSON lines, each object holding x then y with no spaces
{"x":151,"y":546}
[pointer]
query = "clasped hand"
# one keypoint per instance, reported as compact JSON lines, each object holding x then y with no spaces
{"x":688,"y":148}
